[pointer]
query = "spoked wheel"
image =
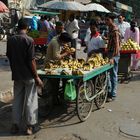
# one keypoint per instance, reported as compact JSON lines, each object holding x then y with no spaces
{"x":40,"y":53}
{"x":84,"y":104}
{"x":2,"y":34}
{"x":45,"y":100}
{"x":39,"y":56}
{"x":101,"y":90}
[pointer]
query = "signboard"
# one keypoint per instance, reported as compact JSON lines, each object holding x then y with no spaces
{"x":124,"y":7}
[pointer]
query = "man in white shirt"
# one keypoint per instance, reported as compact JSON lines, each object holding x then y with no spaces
{"x":93,"y":40}
{"x":122,"y":25}
{"x":72,"y":28}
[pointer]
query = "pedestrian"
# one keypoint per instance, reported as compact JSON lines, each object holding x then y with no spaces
{"x":20,"y":52}
{"x":47,"y":24}
{"x":42,"y":28}
{"x":122,"y":25}
{"x":94,"y":41}
{"x":34,"y":23}
{"x":114,"y":41}
{"x":72,"y":28}
{"x":133,"y":33}
{"x":59,"y":28}
{"x":52,"y":23}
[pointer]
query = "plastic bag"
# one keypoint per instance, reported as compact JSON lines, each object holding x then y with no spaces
{"x":70,"y":91}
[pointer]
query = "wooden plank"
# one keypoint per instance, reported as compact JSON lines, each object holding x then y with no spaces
{"x":43,"y":74}
{"x":97,"y":72}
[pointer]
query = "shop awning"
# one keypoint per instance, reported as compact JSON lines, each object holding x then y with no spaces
{"x":124,"y":7}
{"x":64,"y":5}
{"x":3,"y":7}
{"x":44,"y":13}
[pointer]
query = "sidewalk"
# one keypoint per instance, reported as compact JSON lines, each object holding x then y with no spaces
{"x":6,"y":83}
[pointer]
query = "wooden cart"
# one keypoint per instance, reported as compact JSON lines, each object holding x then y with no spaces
{"x":91,"y":87}
{"x":124,"y":70}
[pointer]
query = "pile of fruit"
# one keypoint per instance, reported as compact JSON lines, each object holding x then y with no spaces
{"x":75,"y":66}
{"x":34,"y":34}
{"x":130,"y":45}
{"x":67,"y":48}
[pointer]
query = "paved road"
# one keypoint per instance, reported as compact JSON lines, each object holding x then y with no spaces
{"x":63,"y":124}
{"x":5,"y":73}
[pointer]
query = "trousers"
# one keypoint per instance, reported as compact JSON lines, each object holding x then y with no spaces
{"x":25,"y":102}
{"x":113,"y":78}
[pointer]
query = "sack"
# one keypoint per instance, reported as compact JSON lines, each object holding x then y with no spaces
{"x":70,"y":91}
{"x":78,"y":44}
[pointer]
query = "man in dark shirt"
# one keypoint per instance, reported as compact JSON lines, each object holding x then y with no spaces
{"x":114,"y":41}
{"x":20,"y":51}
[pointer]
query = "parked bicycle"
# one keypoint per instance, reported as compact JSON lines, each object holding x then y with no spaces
{"x":5,"y":30}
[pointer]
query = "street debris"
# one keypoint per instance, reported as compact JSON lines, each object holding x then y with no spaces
{"x":109,"y":110}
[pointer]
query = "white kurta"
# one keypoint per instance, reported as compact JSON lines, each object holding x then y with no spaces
{"x":94,"y":43}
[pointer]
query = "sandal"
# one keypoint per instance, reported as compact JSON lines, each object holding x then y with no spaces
{"x":29,"y":130}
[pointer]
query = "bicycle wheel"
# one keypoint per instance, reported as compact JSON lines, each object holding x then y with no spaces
{"x":101,"y":90}
{"x":38,"y":56}
{"x":40,"y":53}
{"x":84,"y":107}
{"x":2,"y":33}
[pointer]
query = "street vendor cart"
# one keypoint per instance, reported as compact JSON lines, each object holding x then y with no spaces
{"x":90,"y":87}
{"x":128,"y":48}
{"x":124,"y":71}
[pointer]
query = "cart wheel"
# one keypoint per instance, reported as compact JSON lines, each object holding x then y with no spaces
{"x":84,"y":107}
{"x":40,"y":53}
{"x":39,"y":56}
{"x":101,"y":89}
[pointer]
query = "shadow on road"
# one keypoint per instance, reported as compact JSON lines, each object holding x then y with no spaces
{"x":134,"y":76}
{"x":5,"y":119}
{"x":61,"y":116}
{"x":4,"y":64}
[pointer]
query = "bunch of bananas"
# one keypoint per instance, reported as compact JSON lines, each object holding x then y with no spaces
{"x":130,"y":45}
{"x":72,"y":63}
{"x":67,"y":48}
{"x":96,"y":60}
{"x":77,"y":66}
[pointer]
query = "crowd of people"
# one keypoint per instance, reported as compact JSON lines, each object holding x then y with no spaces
{"x":21,"y":54}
